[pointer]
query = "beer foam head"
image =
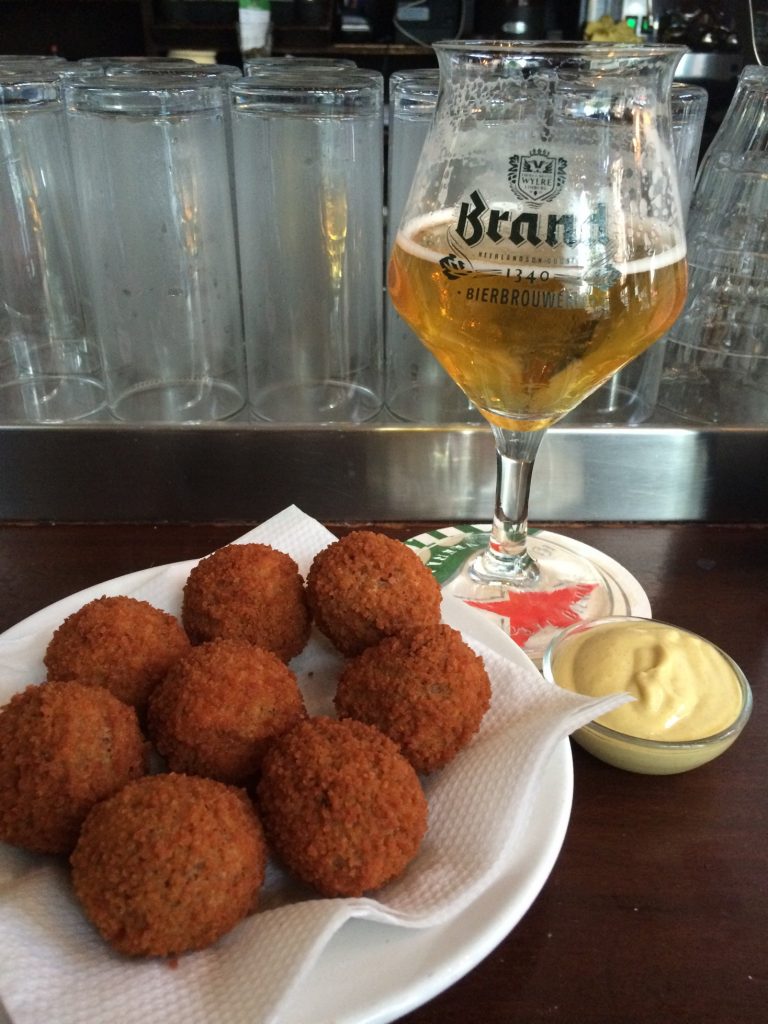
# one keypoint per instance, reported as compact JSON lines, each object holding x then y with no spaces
{"x":432,"y":237}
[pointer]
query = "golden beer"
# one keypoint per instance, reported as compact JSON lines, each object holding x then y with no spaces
{"x":526,"y":339}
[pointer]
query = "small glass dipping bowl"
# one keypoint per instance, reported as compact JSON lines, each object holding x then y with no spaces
{"x":652,"y":756}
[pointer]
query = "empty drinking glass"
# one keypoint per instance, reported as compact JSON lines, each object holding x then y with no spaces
{"x":152,"y":162}
{"x":50,"y":370}
{"x":716,"y":361}
{"x":689,"y":109}
{"x":418,"y":389}
{"x":309,"y":177}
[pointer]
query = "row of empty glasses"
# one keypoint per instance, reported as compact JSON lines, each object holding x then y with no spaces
{"x":184,"y":243}
{"x":716,"y":363}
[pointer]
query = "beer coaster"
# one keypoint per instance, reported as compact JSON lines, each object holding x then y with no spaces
{"x":531,"y":620}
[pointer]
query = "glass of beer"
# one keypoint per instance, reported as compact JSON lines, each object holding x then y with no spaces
{"x":541,"y":248}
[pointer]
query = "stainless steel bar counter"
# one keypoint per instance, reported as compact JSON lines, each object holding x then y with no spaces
{"x":385,"y":471}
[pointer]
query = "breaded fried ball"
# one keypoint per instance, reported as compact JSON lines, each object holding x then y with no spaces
{"x":367,"y":586}
{"x":341,"y":807}
{"x":63,"y":747}
{"x":169,"y":864}
{"x":248,"y":592}
{"x":216,"y":711}
{"x":426,"y":689}
{"x":121,"y":643}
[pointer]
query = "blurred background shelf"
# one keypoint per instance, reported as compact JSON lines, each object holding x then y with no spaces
{"x":78,"y":28}
{"x":83,"y":28}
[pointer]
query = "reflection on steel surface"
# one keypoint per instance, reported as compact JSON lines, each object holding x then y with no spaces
{"x":244,"y":473}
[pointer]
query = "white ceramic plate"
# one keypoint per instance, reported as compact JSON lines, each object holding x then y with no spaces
{"x":371,"y":973}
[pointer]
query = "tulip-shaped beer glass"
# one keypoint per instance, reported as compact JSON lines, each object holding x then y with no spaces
{"x":541,"y":248}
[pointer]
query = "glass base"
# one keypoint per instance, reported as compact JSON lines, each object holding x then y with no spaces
{"x":50,"y":399}
{"x":569,"y":587}
{"x":318,"y":402}
{"x":178,"y":401}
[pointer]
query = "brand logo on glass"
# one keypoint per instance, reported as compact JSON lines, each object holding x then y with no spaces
{"x":536,"y":177}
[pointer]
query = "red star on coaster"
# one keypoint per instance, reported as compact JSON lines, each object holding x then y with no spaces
{"x":527,"y":613}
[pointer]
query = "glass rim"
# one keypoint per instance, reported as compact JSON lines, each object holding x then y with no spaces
{"x":136,"y":87}
{"x":411,"y":88}
{"x":415,"y":75}
{"x":32,"y":56}
{"x":149,"y":60}
{"x":689,"y":90}
{"x":30,"y":92}
{"x":300,"y":62}
{"x":559,"y":47}
{"x":310,"y":79}
{"x":340,"y":91}
{"x":16,"y":76}
{"x":753,"y":71}
{"x":139,"y":81}
{"x":145,"y":96}
{"x":127,"y":72}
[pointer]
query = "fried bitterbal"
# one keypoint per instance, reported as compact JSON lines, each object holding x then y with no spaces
{"x":219,"y":707}
{"x":248,"y":592}
{"x":341,"y":807}
{"x":367,"y":586}
{"x":63,"y":747}
{"x":169,"y":864}
{"x":120,"y":643}
{"x":426,"y":689}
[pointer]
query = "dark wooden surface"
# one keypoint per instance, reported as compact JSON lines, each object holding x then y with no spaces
{"x":657,"y":909}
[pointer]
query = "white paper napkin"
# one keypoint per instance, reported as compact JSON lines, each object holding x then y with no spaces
{"x":54,"y":967}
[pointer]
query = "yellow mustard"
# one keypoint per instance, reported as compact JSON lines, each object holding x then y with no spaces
{"x":684,"y":687}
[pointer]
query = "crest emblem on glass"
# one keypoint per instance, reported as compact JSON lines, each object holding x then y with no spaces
{"x":541,"y":248}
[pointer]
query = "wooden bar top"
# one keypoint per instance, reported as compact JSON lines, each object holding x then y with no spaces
{"x":657,"y":908}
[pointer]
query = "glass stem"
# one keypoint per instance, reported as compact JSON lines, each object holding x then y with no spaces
{"x":507,"y":556}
